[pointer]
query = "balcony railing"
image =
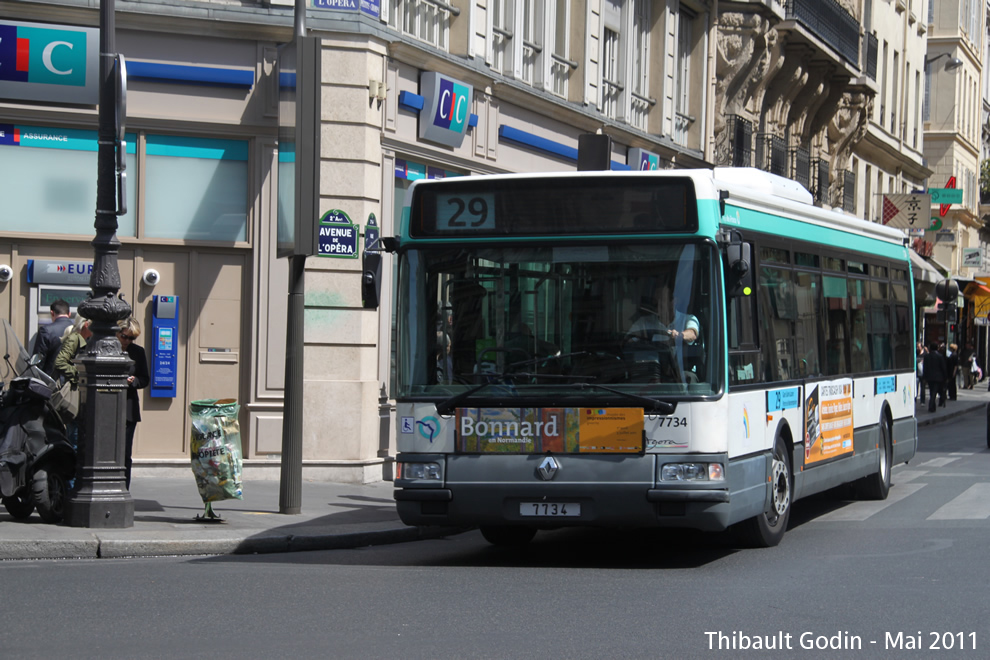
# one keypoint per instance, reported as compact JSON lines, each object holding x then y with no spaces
{"x":740,"y":141}
{"x":828,"y":21}
{"x":849,"y":191}
{"x":801,"y":165}
{"x":771,"y":153}
{"x":870,"y":56}
{"x":821,"y":181}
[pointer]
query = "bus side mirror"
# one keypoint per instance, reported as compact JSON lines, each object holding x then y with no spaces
{"x":371,"y":279}
{"x":739,"y":273}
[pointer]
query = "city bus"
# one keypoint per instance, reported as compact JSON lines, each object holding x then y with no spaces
{"x":680,"y":348}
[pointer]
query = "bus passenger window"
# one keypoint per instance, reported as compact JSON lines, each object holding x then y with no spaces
{"x":836,"y":322}
{"x":808,"y":294}
{"x":859,"y":352}
{"x":778,"y":311}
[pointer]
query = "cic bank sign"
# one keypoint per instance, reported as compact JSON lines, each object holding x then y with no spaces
{"x":57,"y":63}
{"x":446,"y":109}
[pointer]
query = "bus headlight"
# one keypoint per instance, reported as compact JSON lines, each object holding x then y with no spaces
{"x":428,"y":471}
{"x":692,"y":472}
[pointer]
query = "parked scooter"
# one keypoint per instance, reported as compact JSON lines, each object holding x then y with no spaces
{"x":36,"y":460}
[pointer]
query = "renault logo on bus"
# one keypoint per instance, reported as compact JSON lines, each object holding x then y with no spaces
{"x":548,"y":468}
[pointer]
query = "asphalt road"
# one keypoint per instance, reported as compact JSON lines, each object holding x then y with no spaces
{"x":901,"y":578}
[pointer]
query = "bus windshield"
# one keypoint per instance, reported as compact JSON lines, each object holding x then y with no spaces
{"x":537,"y":321}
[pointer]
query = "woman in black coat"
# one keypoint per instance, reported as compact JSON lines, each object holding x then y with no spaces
{"x":139,"y":377}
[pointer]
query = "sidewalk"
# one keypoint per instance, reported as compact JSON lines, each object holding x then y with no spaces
{"x":334,"y":515}
{"x":966,"y":401}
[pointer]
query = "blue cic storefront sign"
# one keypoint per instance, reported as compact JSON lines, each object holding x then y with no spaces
{"x":446,"y":109}
{"x":641,"y":159}
{"x":54,"y":63}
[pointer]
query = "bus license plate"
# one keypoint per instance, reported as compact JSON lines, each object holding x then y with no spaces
{"x":549,"y":509}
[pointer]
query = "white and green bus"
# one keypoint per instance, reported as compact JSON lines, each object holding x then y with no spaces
{"x":692,"y":348}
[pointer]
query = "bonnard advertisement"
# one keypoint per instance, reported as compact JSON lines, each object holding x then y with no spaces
{"x":828,"y":429}
{"x":538,"y":430}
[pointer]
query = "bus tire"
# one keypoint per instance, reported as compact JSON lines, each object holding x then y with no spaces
{"x":877,"y":485}
{"x":508,"y":535}
{"x":767,"y":529}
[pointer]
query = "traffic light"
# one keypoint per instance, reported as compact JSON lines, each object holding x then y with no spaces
{"x":945,"y":312}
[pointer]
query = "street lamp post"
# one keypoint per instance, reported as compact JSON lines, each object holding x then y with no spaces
{"x":100,"y":498}
{"x":950,"y":66}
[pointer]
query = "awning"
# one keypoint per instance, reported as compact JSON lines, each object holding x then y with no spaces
{"x":976,"y":289}
{"x":924,"y":271}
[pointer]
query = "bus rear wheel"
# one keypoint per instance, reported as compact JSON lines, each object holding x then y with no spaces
{"x":508,"y":535}
{"x":767,"y":529}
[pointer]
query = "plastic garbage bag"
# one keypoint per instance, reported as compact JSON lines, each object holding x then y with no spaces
{"x":215,"y":449}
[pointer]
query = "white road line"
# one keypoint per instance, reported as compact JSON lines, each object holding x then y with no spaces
{"x":904,"y":476}
{"x":972,"y":504}
{"x":938,"y":462}
{"x":863,"y":510}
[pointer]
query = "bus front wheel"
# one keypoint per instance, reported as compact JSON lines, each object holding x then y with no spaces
{"x":767,"y":529}
{"x":508,"y":535}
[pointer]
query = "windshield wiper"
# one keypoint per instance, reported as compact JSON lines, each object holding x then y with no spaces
{"x":448,"y":406}
{"x":649,"y":404}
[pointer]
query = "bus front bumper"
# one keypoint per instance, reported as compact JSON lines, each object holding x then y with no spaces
{"x":621,"y":491}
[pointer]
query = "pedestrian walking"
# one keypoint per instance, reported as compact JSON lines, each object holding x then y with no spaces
{"x":920,"y":353}
{"x":936,"y":370}
{"x":129,"y":330}
{"x":967,"y":364}
{"x":952,"y":363}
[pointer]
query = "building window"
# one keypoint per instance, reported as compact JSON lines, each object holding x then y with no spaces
{"x":682,"y":77}
{"x":640,"y":77}
{"x":560,"y":63}
{"x":53,"y":171}
{"x":212,"y":176}
{"x":501,"y":17}
{"x":611,"y":85}
{"x":421,"y":19}
{"x":625,"y":58}
{"x":532,"y":41}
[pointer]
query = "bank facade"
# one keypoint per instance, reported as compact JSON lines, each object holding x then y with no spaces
{"x":674,"y":83}
{"x":202,"y":177}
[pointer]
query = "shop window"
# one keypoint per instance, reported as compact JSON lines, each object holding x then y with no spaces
{"x":50,"y":178}
{"x":196,"y":188}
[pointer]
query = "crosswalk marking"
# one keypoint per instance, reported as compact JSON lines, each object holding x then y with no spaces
{"x":858,"y":511}
{"x":972,"y":504}
{"x":904,"y":476}
{"x":941,"y":461}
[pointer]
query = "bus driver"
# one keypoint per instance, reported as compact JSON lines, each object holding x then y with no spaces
{"x":648,"y":326}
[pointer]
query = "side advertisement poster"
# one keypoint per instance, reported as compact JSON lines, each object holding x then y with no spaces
{"x":828,"y":426}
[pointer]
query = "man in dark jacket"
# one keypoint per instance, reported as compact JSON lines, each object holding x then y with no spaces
{"x":935,"y":371}
{"x":49,"y":338}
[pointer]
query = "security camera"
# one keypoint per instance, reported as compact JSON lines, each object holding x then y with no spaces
{"x":151,"y":277}
{"x":6,"y":273}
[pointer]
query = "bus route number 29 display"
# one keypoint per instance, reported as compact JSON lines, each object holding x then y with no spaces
{"x":460,"y":213}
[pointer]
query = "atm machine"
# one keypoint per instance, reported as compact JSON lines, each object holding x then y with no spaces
{"x":164,"y":346}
